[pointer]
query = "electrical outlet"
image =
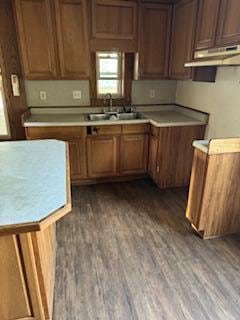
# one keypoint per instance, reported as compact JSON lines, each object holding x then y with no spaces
{"x":77,"y":94}
{"x":152,"y":93}
{"x":43,"y":95}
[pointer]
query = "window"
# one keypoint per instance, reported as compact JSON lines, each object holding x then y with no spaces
{"x":110,"y":71}
{"x":4,"y":130}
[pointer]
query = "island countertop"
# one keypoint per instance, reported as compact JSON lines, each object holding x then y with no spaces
{"x":33,"y":184}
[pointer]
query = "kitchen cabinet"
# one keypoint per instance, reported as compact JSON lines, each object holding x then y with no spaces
{"x":72,"y":35}
{"x":114,"y":25}
{"x":37,"y":44}
{"x":214,"y":196}
{"x":170,"y":156}
{"x":75,"y":136}
{"x":133,"y":154}
{"x":102,"y":156}
{"x":53,"y":38}
{"x":183,"y":34}
{"x":155,"y":32}
{"x":207,"y":24}
{"x":228,"y":32}
{"x":152,"y":161}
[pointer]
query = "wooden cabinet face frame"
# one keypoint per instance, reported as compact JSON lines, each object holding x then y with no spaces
{"x":120,"y":5}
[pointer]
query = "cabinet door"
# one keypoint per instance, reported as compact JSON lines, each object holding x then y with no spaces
{"x":229,"y":26}
{"x":207,"y":24}
{"x":102,"y":156}
{"x":183,"y":32}
{"x":133,"y":154}
{"x":77,"y":156}
{"x":14,"y":302}
{"x":175,"y":154}
{"x":152,"y":160}
{"x":36,"y":38}
{"x":113,"y":19}
{"x":155,"y":41}
{"x":71,"y":18}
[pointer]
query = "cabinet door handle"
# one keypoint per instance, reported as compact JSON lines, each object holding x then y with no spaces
{"x":95,"y":130}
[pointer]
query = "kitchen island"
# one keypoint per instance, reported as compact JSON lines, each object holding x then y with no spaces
{"x":34,"y":194}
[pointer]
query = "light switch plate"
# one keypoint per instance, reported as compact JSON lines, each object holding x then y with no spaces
{"x":43,"y":95}
{"x":77,"y":94}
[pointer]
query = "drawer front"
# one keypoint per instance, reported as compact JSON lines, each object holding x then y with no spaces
{"x":135,"y":128}
{"x":105,"y":130}
{"x":63,"y":133}
{"x":154,"y":131}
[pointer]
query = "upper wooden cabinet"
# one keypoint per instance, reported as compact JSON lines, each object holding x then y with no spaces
{"x":228,"y":23}
{"x":207,"y":24}
{"x":183,"y":33}
{"x":44,"y":55}
{"x":72,"y":34}
{"x":36,"y":38}
{"x":114,"y":25}
{"x":155,"y":32}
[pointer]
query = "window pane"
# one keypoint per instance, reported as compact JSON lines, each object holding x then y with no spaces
{"x":3,"y":120}
{"x":108,"y":54}
{"x":108,"y":66}
{"x":108,"y":86}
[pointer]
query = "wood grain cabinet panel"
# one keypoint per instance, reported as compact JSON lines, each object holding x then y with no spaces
{"x":114,"y":25}
{"x":77,"y":156}
{"x":72,"y":34}
{"x":152,"y":157}
{"x":183,"y":33}
{"x":133,"y":154}
{"x":114,"y":19}
{"x":14,"y":303}
{"x":102,"y":156}
{"x":229,"y":23}
{"x":207,"y":24}
{"x":155,"y":32}
{"x":36,"y":38}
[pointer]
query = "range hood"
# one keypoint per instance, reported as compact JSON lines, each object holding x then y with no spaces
{"x":225,"y":56}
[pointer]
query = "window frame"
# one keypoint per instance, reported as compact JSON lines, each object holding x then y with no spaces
{"x":6,"y":118}
{"x":120,"y":78}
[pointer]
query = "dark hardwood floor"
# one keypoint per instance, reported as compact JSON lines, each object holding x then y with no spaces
{"x":127,"y":252}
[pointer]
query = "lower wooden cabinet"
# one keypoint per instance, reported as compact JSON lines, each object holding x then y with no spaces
{"x":102,"y":156}
{"x":171,"y":154}
{"x":133,"y":154}
{"x":77,"y":152}
{"x":27,"y":273}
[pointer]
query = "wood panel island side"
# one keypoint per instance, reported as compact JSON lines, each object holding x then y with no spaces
{"x":34,"y":194}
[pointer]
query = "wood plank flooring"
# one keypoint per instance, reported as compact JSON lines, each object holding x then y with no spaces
{"x":127,"y":252}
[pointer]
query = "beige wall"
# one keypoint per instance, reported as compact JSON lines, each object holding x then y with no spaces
{"x":221,"y":99}
{"x":59,"y":93}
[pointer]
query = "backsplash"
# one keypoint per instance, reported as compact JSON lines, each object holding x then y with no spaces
{"x":153,"y":91}
{"x":58,"y":93}
{"x":220,"y":99}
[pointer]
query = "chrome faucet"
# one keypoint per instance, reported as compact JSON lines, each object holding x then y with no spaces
{"x":109,"y":96}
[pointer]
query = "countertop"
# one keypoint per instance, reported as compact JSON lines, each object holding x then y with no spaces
{"x":157,"y":118}
{"x":202,"y":145}
{"x":33,"y":181}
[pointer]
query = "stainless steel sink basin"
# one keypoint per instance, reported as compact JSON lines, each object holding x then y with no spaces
{"x":98,"y":116}
{"x":116,"y":117}
{"x":129,"y":116}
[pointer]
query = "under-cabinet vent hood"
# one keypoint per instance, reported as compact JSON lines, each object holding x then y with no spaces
{"x":225,"y":56}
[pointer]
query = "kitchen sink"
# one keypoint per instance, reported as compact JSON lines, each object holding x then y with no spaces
{"x":116,"y":117}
